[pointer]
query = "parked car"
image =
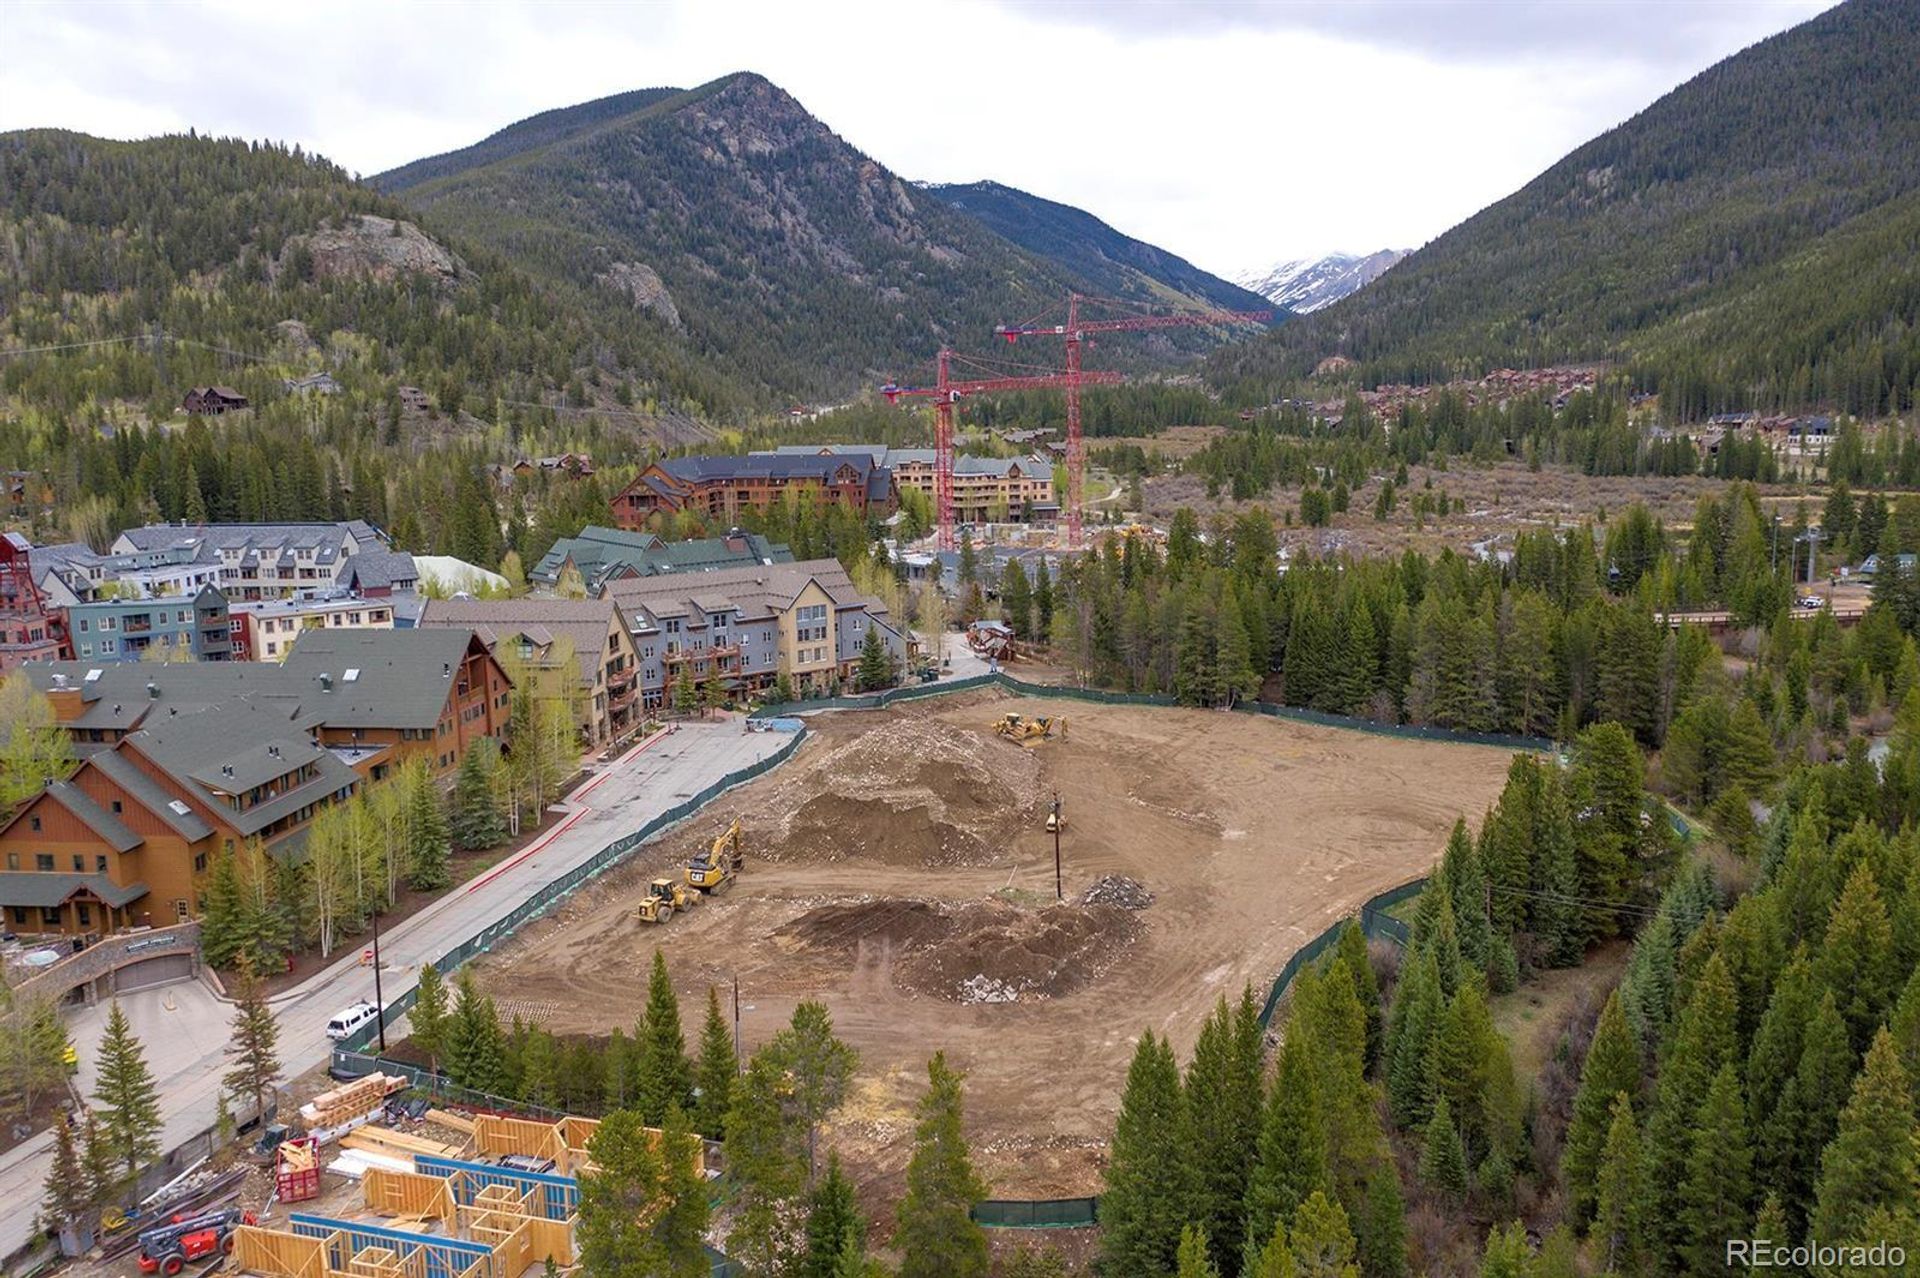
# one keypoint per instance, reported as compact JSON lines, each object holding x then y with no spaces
{"x":350,"y":1019}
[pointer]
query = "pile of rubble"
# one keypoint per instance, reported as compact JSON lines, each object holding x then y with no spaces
{"x":1117,"y":889}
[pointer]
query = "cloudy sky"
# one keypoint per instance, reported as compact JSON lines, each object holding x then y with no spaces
{"x":1234,"y":132}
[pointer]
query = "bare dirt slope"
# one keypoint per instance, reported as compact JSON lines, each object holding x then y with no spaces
{"x":898,"y":871}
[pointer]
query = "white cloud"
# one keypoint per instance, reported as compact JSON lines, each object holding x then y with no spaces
{"x":1234,"y":135}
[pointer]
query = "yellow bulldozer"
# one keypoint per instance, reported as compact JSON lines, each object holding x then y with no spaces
{"x":1017,"y":728}
{"x":664,"y":897}
{"x":715,"y":869}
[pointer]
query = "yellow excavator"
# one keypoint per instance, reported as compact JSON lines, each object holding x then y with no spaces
{"x":715,"y":869}
{"x":664,"y":896}
{"x":1017,"y":728}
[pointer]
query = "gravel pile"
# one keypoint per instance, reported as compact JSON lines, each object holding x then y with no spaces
{"x":1118,"y":889}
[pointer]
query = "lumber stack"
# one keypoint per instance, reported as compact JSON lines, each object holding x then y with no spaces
{"x":345,"y":1103}
{"x":385,"y":1140}
{"x":454,"y":1121}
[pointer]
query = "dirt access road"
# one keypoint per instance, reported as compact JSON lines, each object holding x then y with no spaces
{"x":898,"y":871}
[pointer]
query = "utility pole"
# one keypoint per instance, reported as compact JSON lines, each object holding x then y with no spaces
{"x":1059,"y":890}
{"x":379,"y":1000}
{"x":736,"y":1024}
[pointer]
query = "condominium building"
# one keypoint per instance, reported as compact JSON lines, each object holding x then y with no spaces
{"x":585,"y":564}
{"x":261,"y":561}
{"x":264,"y":629}
{"x":573,"y":650}
{"x":748,"y":626}
{"x":178,"y":628}
{"x":985,"y":489}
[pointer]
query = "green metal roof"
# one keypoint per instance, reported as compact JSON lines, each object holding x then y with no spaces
{"x":37,"y":888}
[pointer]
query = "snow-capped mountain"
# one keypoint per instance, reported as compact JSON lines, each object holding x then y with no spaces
{"x":1309,"y":283}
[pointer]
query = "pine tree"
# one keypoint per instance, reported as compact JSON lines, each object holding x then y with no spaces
{"x":1410,"y":1030}
{"x":682,"y":1227}
{"x":767,"y":1159}
{"x":1321,"y":1241}
{"x":819,"y":1066}
{"x":477,"y":819}
{"x":1443,"y":1160}
{"x":1873,"y":1161}
{"x":1043,"y":603}
{"x":876,"y":663}
{"x":428,"y":1017}
{"x":475,"y":1048}
{"x":619,"y":1201}
{"x":686,"y":694}
{"x":1366,"y":988}
{"x":427,"y":837}
{"x":1016,"y":599}
{"x":1557,"y":917}
{"x":1856,"y":957}
{"x":938,"y":1237}
{"x":256,"y":1062}
{"x":1716,"y":1198}
{"x":1620,"y":1193}
{"x":1222,"y":1133}
{"x":832,"y":1213}
{"x":96,"y":1160}
{"x":223,"y":934}
{"x":1507,"y":1254}
{"x":1194,"y":1259}
{"x":665,"y":1077}
{"x":1703,"y":1041}
{"x":129,"y":1102}
{"x":1291,"y":1158}
{"x":1273,"y":1259}
{"x":539,"y":1070}
{"x":1809,"y":1111}
{"x":714,"y":1072}
{"x":1776,"y":1046}
{"x":1146,"y":1193}
{"x":68,"y":1197}
{"x":1612,"y":1067}
{"x":1381,"y":1230}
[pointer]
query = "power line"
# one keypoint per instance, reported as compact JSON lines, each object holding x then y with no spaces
{"x":1589,"y":903}
{"x":75,"y":346}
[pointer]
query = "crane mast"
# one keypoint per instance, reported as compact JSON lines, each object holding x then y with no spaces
{"x":1074,"y":331}
{"x":946,"y":392}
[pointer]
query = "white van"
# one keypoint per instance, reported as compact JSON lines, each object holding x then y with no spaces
{"x":344,"y":1023}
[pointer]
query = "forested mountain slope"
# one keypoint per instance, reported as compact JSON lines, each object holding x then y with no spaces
{"x":1114,"y":264}
{"x":1752,"y":238}
{"x":221,"y":242}
{"x":774,"y":245}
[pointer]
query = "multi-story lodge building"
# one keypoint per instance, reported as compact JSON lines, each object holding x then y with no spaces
{"x":179,"y":763}
{"x":748,"y":626}
{"x":720,"y":488}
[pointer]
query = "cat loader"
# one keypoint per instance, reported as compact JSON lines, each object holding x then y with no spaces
{"x":715,"y":869}
{"x":1024,"y":731}
{"x":664,"y":897}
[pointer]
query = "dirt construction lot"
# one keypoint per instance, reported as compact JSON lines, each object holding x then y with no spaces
{"x":898,"y":870}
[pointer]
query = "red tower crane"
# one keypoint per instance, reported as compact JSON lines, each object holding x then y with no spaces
{"x":1074,"y":331}
{"x":945,"y":392}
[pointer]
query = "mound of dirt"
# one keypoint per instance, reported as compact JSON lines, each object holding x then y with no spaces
{"x":1003,"y":954}
{"x":912,"y":792}
{"x":979,"y":952}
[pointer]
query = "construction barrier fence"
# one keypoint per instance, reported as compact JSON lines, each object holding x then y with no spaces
{"x":1103,"y":696}
{"x":538,"y":904}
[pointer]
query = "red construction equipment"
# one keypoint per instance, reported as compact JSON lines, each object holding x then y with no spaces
{"x":167,"y":1248}
{"x":1074,"y":330}
{"x":945,"y":392}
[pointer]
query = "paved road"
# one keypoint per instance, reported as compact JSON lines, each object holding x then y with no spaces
{"x":185,"y":1028}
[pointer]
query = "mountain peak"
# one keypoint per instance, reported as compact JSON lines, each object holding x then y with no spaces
{"x":1306,"y":284}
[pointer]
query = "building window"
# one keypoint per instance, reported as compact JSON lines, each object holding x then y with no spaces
{"x":100,"y":864}
{"x":180,"y":910}
{"x":199,"y":862}
{"x":50,"y":915}
{"x":116,"y":807}
{"x":43,"y":860}
{"x":82,"y":914}
{"x":79,"y":864}
{"x":33,"y":823}
{"x":20,"y":914}
{"x":13,"y":860}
